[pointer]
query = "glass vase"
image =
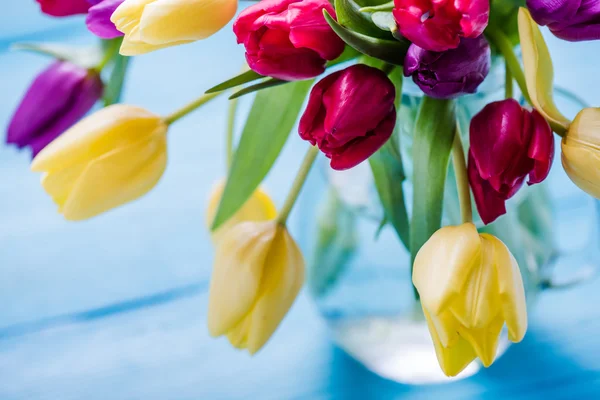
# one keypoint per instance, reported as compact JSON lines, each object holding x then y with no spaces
{"x":359,"y":273}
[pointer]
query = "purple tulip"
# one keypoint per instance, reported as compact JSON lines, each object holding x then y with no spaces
{"x":450,"y":73}
{"x":98,"y":18}
{"x":58,"y":98}
{"x":572,"y":20}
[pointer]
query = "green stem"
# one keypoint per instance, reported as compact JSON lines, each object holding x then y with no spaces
{"x":230,"y":131}
{"x":508,"y":89}
{"x":499,"y":39}
{"x":185,"y":110}
{"x":108,"y":55}
{"x":292,"y":196}
{"x":462,"y":179}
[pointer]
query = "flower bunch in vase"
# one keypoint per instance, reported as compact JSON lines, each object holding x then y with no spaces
{"x":332,"y":73}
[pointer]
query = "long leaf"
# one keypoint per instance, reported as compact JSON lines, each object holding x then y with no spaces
{"x":246,"y":77}
{"x":391,"y":51}
{"x":434,"y":133}
{"x":87,"y":57}
{"x":349,"y":16}
{"x":269,"y":124}
{"x":271,"y":82}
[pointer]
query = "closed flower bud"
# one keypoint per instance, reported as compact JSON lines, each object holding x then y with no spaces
{"x":98,"y":18}
{"x":64,"y":8}
{"x":288,"y":39}
{"x":350,"y":115}
{"x":573,"y":20}
{"x":259,"y":207}
{"x":151,"y":25}
{"x":508,"y":143}
{"x":470,"y":285}
{"x":451,"y":73}
{"x":60,"y":96}
{"x":258,"y":272}
{"x":439,"y":25}
{"x":581,"y":151}
{"x":108,"y":159}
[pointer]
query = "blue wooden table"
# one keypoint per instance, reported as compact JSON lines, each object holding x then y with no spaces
{"x":115,"y":308}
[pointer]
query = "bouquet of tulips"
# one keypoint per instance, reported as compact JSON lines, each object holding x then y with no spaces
{"x":348,"y":58}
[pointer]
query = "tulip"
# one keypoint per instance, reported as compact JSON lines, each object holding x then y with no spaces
{"x":439,"y":25}
{"x":259,"y":207}
{"x":508,"y":143}
{"x":98,"y":18}
{"x":581,"y":151}
{"x":572,"y":20}
{"x":108,"y":159}
{"x":64,"y":8}
{"x":60,"y":96}
{"x":350,"y":115}
{"x":258,"y":272}
{"x":470,"y":285}
{"x":151,"y":25}
{"x":288,"y":39}
{"x":452,"y":73}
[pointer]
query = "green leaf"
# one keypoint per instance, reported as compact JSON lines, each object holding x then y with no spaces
{"x":87,"y":57}
{"x":391,"y":51}
{"x":434,"y":133}
{"x":384,"y":20}
{"x":337,"y":239}
{"x":246,"y":77}
{"x":349,"y":16}
{"x":271,"y":82}
{"x":389,"y":6}
{"x":114,"y":87}
{"x":272,"y":117}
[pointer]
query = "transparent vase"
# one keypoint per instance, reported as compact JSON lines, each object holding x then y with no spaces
{"x":359,"y":273}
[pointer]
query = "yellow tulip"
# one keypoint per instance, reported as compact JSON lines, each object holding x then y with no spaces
{"x":581,"y":151}
{"x":150,"y":25}
{"x":539,"y":71}
{"x":259,"y":207}
{"x":258,"y":272}
{"x":107,"y":159}
{"x":470,"y":285}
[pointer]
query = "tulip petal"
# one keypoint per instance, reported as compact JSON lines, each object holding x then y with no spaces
{"x":539,"y":72}
{"x":582,"y":165}
{"x":59,"y":184}
{"x":484,"y":340}
{"x":283,"y":278}
{"x":116,"y":178}
{"x":444,"y":264}
{"x":510,"y":287}
{"x":446,"y":326}
{"x":238,"y":270}
{"x":453,"y":359}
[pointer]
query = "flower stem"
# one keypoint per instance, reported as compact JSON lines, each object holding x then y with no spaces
{"x":292,"y":196}
{"x":508,"y":89}
{"x":230,"y":131}
{"x":185,"y":110}
{"x":462,"y":179}
{"x":499,"y":39}
{"x":109,"y":53}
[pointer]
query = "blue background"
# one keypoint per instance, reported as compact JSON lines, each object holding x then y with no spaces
{"x":114,"y":308}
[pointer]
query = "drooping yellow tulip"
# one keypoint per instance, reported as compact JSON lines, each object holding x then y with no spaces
{"x":539,"y":71}
{"x":259,"y":207}
{"x":470,"y":285}
{"x":107,"y":159}
{"x":581,"y":151}
{"x":258,"y":272}
{"x":150,"y":25}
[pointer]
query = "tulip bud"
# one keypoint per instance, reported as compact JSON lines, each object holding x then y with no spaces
{"x":439,"y":25}
{"x":151,"y":25}
{"x":258,"y":272}
{"x":508,"y":143}
{"x":572,"y":20}
{"x":64,"y":8}
{"x":581,"y":151}
{"x":108,"y":159}
{"x":60,"y":96}
{"x":470,"y":285}
{"x":350,"y":115}
{"x":452,"y":73}
{"x":98,"y":18}
{"x":288,"y":39}
{"x":259,"y":207}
